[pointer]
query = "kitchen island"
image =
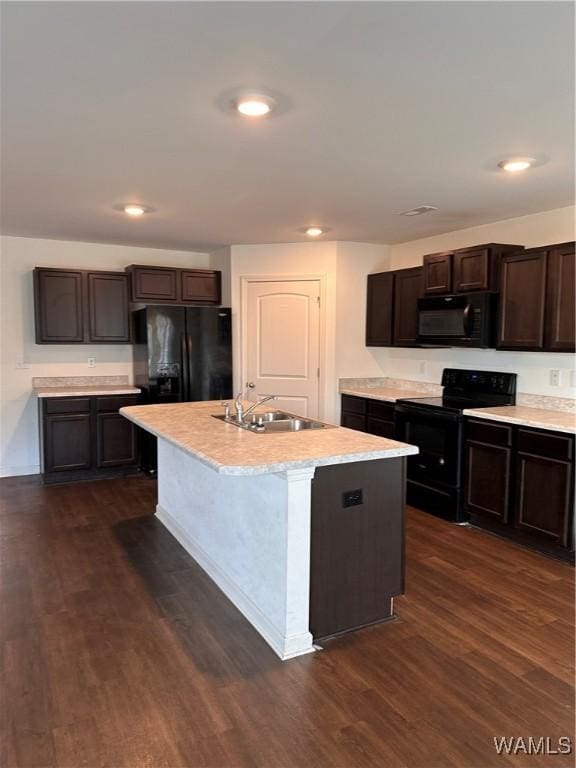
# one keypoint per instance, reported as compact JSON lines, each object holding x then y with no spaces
{"x":303,"y":531}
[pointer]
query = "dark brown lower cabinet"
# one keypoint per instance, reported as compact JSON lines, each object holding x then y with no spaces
{"x":67,"y":442}
{"x":115,"y":441}
{"x":366,"y":415}
{"x":86,"y":438}
{"x":357,"y":544}
{"x":520,"y":484}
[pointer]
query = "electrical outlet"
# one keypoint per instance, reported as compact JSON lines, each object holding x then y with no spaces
{"x":422,"y":367}
{"x":91,"y":362}
{"x":554,"y":377}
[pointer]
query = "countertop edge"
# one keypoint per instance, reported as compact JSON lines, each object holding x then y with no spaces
{"x":535,"y":423}
{"x":42,"y":394}
{"x":269,"y":469}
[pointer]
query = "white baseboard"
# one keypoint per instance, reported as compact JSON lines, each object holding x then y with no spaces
{"x":285,"y":647}
{"x":31,"y":469}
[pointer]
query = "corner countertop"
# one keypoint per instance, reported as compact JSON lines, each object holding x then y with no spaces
{"x":387,"y":394}
{"x":87,"y":391}
{"x":539,"y":418}
{"x":230,"y":450}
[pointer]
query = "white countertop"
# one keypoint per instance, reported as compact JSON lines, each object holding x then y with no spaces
{"x":88,"y":391}
{"x":388,"y":394}
{"x":539,"y":418}
{"x":233,"y":451}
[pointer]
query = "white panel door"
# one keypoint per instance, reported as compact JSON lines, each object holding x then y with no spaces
{"x":282,"y":343}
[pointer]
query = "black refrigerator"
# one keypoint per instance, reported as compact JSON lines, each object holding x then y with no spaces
{"x":181,"y":354}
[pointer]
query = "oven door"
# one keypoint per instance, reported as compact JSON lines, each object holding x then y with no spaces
{"x":438,"y":436}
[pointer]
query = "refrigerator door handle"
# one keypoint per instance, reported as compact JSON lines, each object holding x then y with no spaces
{"x":185,"y":369}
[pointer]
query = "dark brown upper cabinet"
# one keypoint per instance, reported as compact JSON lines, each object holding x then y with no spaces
{"x":170,"y":285}
{"x":522,"y":300}
{"x":379,"y":309}
{"x":201,"y":286}
{"x":465,"y":270}
{"x":438,"y":273}
{"x":537,"y":300}
{"x":408,"y":288}
{"x":478,"y":268}
{"x":109,"y":320}
{"x":80,"y":307}
{"x":59,"y":306}
{"x":154,"y":284}
{"x":559,"y":330}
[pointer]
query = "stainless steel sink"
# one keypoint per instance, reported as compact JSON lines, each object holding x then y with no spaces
{"x":274,"y":421}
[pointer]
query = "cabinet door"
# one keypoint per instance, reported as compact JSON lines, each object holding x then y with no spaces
{"x":58,"y":304}
{"x":154,"y":284}
{"x":379,"y":303}
{"x":200,"y":286}
{"x":407,"y":290}
{"x":472,"y":270}
{"x":438,"y":273}
{"x":523,"y":290}
{"x":543,"y":497}
{"x":108,"y":302}
{"x":115,"y":441}
{"x":487,"y":487}
{"x":560,"y":333}
{"x":67,"y":442}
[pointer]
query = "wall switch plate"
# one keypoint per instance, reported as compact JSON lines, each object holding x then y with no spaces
{"x":554,"y":377}
{"x":21,"y":365}
{"x":91,"y":362}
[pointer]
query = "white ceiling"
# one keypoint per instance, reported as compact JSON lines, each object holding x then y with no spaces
{"x":388,"y":106}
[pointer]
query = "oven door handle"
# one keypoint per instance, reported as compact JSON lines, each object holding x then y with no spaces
{"x":468,"y":320}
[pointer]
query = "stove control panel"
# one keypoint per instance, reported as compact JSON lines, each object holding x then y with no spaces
{"x":478,"y":382}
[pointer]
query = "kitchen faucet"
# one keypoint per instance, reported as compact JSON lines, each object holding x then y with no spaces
{"x":239,"y":408}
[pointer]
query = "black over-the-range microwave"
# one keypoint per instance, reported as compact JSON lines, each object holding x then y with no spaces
{"x":462,"y":320}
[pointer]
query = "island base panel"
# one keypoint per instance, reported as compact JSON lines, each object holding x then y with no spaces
{"x":251,"y":534}
{"x":357,"y":545}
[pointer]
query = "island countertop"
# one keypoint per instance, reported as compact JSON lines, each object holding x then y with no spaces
{"x":230,"y":450}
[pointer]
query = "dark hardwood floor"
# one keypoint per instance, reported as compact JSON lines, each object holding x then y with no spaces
{"x":118,"y":651}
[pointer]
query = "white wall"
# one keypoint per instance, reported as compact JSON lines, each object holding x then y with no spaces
{"x":344,"y":267}
{"x":533,"y":368}
{"x":19,"y":447}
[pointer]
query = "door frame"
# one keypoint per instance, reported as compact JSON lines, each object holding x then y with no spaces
{"x":245,"y":281}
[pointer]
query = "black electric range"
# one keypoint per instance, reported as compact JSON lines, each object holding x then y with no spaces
{"x":436,"y":426}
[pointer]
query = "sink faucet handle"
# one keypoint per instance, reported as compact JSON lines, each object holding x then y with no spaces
{"x":226,"y":407}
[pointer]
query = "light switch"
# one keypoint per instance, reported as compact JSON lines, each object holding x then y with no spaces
{"x":91,"y":362}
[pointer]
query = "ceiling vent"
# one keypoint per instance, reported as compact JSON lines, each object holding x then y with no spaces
{"x":419,"y":211}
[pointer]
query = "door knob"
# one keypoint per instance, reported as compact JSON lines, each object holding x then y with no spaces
{"x":250,"y":384}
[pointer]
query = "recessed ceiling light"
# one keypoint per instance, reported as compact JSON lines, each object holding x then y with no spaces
{"x":254,"y":105}
{"x":314,"y":231}
{"x":134,"y":210}
{"x":419,"y":211}
{"x":515,"y":164}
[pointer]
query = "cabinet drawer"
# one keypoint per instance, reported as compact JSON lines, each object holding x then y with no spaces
{"x":67,"y":405}
{"x":352,"y":404}
{"x":113,"y":403}
{"x":380,"y":410}
{"x":486,"y":432}
{"x":547,"y":444}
